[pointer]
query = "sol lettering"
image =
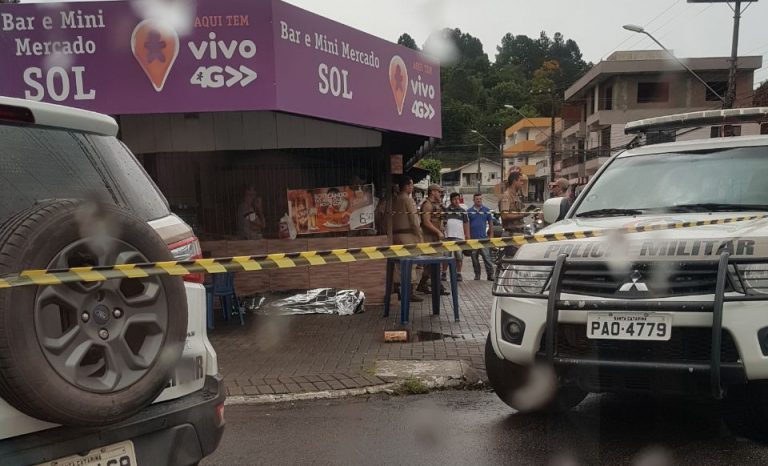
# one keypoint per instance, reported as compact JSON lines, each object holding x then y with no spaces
{"x":334,"y":80}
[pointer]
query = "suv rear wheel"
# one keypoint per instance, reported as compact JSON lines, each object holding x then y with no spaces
{"x":86,"y":353}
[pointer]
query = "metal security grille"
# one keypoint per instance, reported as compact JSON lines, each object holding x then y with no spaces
{"x":640,"y":280}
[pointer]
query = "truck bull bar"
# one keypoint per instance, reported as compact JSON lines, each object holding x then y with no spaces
{"x":555,"y":304}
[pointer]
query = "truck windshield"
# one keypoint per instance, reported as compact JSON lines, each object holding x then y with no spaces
{"x":733,"y":179}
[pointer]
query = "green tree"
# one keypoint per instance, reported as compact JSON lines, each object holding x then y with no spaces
{"x":407,"y":41}
{"x":568,"y":56}
{"x":459,"y":119}
{"x":522,"y":52}
{"x":462,"y":84}
{"x":433,"y":166}
{"x":471,"y":54}
{"x":544,"y":88}
{"x":530,"y":54}
{"x":526,"y":72}
{"x":456,"y":48}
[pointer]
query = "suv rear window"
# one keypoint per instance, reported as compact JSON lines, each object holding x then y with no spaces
{"x":40,"y":163}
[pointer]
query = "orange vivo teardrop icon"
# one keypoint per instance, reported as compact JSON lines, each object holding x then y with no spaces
{"x":155,"y":46}
{"x":398,"y":80}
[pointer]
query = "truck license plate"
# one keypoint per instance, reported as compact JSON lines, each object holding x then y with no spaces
{"x":629,"y":326}
{"x":118,"y":454}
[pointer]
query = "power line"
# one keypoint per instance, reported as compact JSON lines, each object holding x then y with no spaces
{"x":644,"y":38}
{"x":630,"y":36}
{"x":759,"y":47}
{"x":674,"y":2}
{"x":691,"y":19}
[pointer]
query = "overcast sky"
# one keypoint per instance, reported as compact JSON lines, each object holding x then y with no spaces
{"x":689,"y":29}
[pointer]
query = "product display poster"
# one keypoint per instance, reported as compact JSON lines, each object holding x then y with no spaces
{"x":326,"y":210}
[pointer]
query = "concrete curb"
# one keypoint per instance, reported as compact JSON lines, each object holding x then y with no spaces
{"x":435,"y":375}
{"x":308,"y":396}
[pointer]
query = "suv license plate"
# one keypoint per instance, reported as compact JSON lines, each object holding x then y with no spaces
{"x":629,"y":326}
{"x":118,"y":454}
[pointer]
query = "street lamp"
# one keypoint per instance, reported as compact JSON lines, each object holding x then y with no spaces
{"x":641,"y":30}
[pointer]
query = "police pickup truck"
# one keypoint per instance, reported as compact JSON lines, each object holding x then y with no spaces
{"x":681,"y":310}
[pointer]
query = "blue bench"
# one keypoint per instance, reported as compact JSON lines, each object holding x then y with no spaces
{"x":406,"y":266}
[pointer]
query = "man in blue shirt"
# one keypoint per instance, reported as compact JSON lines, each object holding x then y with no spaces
{"x":481,"y":227}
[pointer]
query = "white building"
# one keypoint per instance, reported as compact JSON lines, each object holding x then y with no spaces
{"x":464,"y":178}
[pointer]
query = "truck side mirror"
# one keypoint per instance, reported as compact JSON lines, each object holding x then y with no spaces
{"x":551,"y":209}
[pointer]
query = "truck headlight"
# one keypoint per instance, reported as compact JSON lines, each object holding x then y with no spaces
{"x":751,"y":279}
{"x":522,"y":279}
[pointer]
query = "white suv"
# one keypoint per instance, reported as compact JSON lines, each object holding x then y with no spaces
{"x":99,"y":372}
{"x":680,"y":311}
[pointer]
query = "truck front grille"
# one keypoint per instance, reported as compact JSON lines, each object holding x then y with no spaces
{"x":687,"y":344}
{"x":640,"y":280}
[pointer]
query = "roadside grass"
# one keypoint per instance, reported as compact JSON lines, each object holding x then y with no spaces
{"x":412,"y":386}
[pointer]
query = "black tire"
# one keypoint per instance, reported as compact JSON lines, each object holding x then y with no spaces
{"x":508,"y":379}
{"x":31,"y":317}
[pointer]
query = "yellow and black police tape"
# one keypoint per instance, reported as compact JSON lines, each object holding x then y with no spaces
{"x":470,"y":212}
{"x":316,"y":258}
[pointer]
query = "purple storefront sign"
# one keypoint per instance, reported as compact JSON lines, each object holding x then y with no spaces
{"x":326,"y":68}
{"x":230,"y":55}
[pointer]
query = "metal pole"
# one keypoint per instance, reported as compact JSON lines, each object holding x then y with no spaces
{"x":730,"y":97}
{"x":501,"y":153}
{"x":552,"y":142}
{"x":479,"y":176}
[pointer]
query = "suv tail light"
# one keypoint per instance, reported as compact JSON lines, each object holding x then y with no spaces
{"x":188,"y":250}
{"x":16,"y":114}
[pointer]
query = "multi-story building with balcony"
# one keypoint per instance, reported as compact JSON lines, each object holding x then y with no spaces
{"x":527,"y":146}
{"x":632,"y":85}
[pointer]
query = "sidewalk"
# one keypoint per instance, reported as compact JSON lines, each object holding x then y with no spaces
{"x":308,"y":353}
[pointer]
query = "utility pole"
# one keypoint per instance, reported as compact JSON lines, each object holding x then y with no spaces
{"x":479,"y":173}
{"x":501,"y":153}
{"x":552,"y":141}
{"x":730,"y":97}
{"x":553,"y":97}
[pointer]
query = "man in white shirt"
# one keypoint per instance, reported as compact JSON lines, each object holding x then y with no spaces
{"x":456,"y":227}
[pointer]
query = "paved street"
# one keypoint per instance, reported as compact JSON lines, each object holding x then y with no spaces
{"x":293,"y":354}
{"x":476,"y":428}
